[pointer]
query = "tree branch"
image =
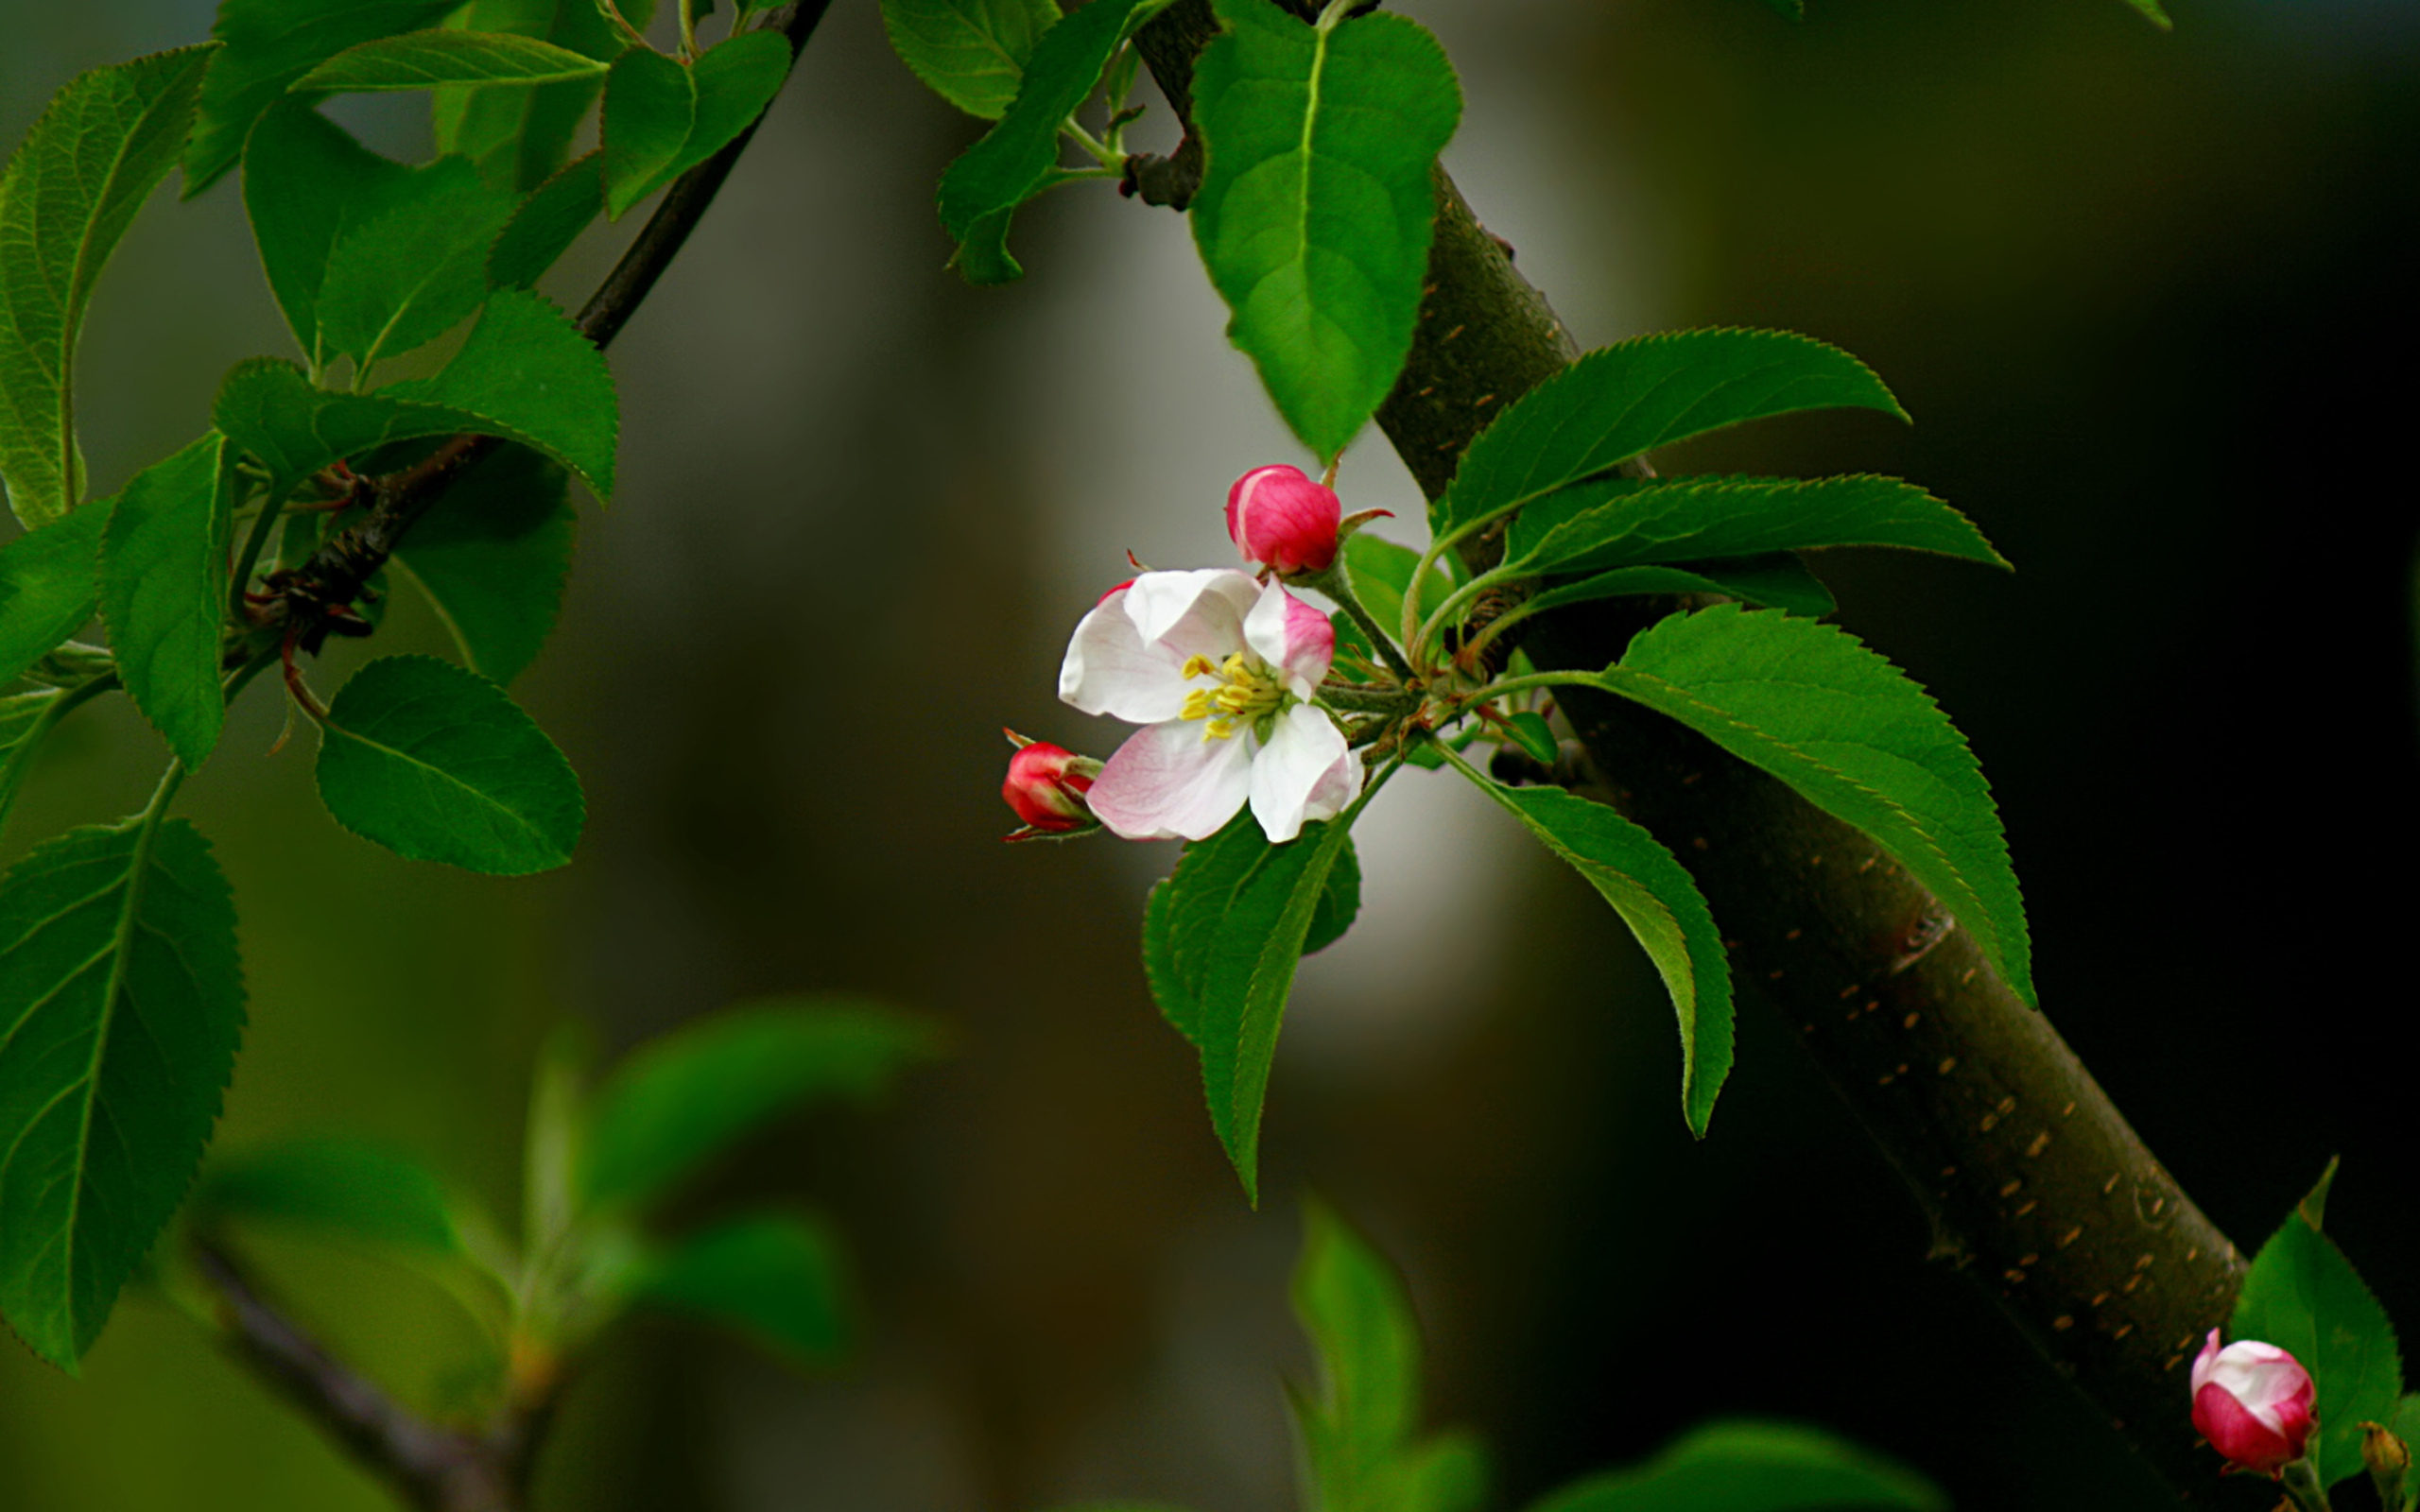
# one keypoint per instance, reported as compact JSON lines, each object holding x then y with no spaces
{"x":311,"y":595}
{"x":2036,"y":1186}
{"x":433,"y":1467}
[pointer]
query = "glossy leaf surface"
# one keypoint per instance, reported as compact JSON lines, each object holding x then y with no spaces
{"x":437,"y":764}
{"x":1594,"y":528}
{"x":69,"y":193}
{"x":49,"y":587}
{"x":121,"y":1003}
{"x":2303,"y":1296}
{"x":164,"y":593}
{"x":1656,"y":896}
{"x":414,"y":270}
{"x":264,"y":46}
{"x":971,"y":53}
{"x":493,"y":555}
{"x":1314,"y":214}
{"x":1620,"y":401}
{"x":425,"y":59}
{"x":1856,"y":737}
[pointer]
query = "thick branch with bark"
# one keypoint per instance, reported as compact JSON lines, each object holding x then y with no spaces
{"x":2036,"y":1186}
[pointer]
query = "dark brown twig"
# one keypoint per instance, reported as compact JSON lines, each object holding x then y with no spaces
{"x":431,"y":1466}
{"x":2036,"y":1186}
{"x":334,"y":576}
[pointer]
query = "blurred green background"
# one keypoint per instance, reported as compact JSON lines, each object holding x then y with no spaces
{"x":2149,"y":298}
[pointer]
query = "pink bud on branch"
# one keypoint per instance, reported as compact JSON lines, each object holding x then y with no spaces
{"x":1047,"y":785}
{"x":2253,"y":1401}
{"x":1280,"y":518}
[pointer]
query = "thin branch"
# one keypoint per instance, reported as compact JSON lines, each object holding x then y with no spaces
{"x":2036,"y":1186}
{"x":433,"y":1467}
{"x":334,"y":576}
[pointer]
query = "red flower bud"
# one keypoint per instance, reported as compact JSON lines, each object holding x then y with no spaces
{"x":2253,"y":1401}
{"x":1047,"y":786}
{"x":1279,"y":517}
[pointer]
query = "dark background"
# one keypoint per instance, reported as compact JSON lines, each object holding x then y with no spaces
{"x":2149,"y":298}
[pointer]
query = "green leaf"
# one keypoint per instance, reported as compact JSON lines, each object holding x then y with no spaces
{"x":25,"y":719}
{"x":407,"y":275}
{"x":163,"y":593}
{"x":493,"y":555}
{"x":680,"y":1101}
{"x":437,"y":764}
{"x":1529,"y":730}
{"x":306,"y":181}
{"x":1359,"y":1427}
{"x":272,"y":411}
{"x":342,"y":1188}
{"x":1593,"y":528}
{"x":650,"y":104}
{"x":2150,"y":10}
{"x":1314,"y":215}
{"x":520,"y":137}
{"x":1223,"y":936}
{"x":121,"y":1003}
{"x":662,"y":119}
{"x":971,"y":53}
{"x":528,"y":374}
{"x":1340,"y":903}
{"x":425,"y":59}
{"x":2303,"y":1296}
{"x":549,"y":221}
{"x":69,"y":193}
{"x":776,"y":1279}
{"x":1780,"y":580}
{"x":267,"y":45}
{"x":49,"y":587}
{"x":1660,"y":902}
{"x":1018,"y":158}
{"x":1620,"y":401}
{"x":1745,"y":1466}
{"x":1856,"y":736}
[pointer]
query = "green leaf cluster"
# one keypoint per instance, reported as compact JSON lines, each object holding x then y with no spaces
{"x":2303,"y":1296}
{"x":971,"y":53}
{"x":603,"y":1167}
{"x":664,"y":118}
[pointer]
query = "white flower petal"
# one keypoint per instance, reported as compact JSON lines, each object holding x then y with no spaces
{"x":1289,"y":634}
{"x":1167,"y":782}
{"x":1195,"y":613}
{"x":1293,"y":768}
{"x":1109,"y":670}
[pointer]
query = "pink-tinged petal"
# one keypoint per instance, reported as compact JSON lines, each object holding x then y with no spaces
{"x":2205,"y":1362}
{"x":1167,"y":782}
{"x":1109,"y":670}
{"x":1289,"y":634}
{"x":1287,"y":771}
{"x":2237,"y":1434}
{"x":1338,"y":788}
{"x":1195,"y":613}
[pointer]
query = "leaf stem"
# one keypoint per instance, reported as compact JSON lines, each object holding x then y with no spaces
{"x":1337,"y":583}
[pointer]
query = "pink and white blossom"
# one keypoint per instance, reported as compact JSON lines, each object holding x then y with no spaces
{"x":1278,"y":517}
{"x":2253,"y":1401}
{"x":1218,"y":669}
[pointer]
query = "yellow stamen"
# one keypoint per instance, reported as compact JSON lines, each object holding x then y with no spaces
{"x":1197,"y":666}
{"x":1248,"y":694}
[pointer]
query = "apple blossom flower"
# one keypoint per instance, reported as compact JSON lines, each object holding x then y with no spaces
{"x":1277,"y":515}
{"x":2253,"y":1401}
{"x":1047,"y":785}
{"x":1217,"y":669}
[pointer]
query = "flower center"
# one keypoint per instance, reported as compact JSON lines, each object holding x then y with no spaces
{"x":1248,"y":694}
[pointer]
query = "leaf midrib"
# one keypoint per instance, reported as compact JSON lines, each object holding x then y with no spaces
{"x":528,"y":829}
